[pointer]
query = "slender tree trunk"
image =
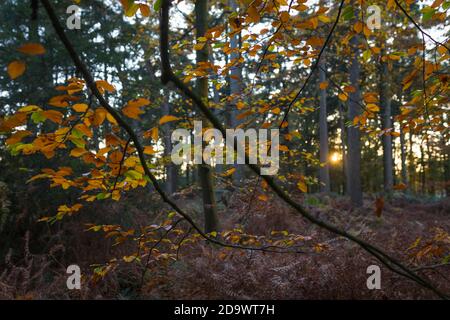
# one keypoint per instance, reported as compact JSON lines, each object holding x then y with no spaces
{"x":411,"y":165}
{"x":403,"y":156}
{"x":422,"y":172}
{"x":353,"y":136}
{"x":324,"y":172}
{"x":170,"y":167}
{"x":446,"y":158}
{"x":235,"y":87}
{"x":385,"y":104}
{"x":343,"y":145}
{"x":205,"y":171}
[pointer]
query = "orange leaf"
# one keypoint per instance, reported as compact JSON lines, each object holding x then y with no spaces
{"x":80,"y":107}
{"x":53,"y":115}
{"x":149,"y":150}
{"x":17,"y":137}
{"x":379,"y":205}
{"x":103,"y":85}
{"x":400,"y":186}
{"x":32,"y":49}
{"x":16,"y":69}
{"x":358,"y":27}
{"x":77,"y":152}
{"x":323,"y":85}
{"x":373,"y":107}
{"x":229,"y":172}
{"x":145,"y":10}
{"x":168,"y":118}
{"x":343,"y":96}
{"x":99,"y":116}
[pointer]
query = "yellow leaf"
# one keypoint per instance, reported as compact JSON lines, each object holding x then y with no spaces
{"x":103,"y":85}
{"x":111,"y":119}
{"x":99,"y":116}
{"x":199,"y":46}
{"x":324,"y":19}
{"x":373,"y":107}
{"x":29,"y":108}
{"x":152,"y":133}
{"x":32,"y":49}
{"x":16,"y":69}
{"x":263,"y":197}
{"x":132,"y":109}
{"x":168,"y":118}
{"x":80,"y":107}
{"x":229,"y":172}
{"x":343,"y":96}
{"x":301,"y":185}
{"x":129,"y":258}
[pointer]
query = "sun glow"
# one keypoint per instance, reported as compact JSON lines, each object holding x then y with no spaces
{"x":335,"y":157}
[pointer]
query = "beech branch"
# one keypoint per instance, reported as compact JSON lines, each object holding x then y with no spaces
{"x":87,"y":76}
{"x":168,"y":76}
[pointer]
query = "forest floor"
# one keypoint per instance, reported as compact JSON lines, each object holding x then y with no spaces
{"x":413,"y":231}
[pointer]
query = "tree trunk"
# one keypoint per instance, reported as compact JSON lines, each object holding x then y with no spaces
{"x":385,"y":106}
{"x":170,"y":167}
{"x":324,"y":172}
{"x":422,"y":172}
{"x":343,"y":145}
{"x":204,"y":171}
{"x":235,"y":88}
{"x":403,"y":156}
{"x":353,"y":136}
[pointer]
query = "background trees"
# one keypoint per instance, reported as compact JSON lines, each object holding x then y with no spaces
{"x":361,"y":111}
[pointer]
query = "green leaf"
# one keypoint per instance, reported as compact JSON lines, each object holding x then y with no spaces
{"x":38,"y":117}
{"x":133,"y":174}
{"x":366,"y":55}
{"x":348,"y":13}
{"x":77,"y":133}
{"x":103,"y":195}
{"x":157,"y":5}
{"x":427,"y":13}
{"x":132,"y":9}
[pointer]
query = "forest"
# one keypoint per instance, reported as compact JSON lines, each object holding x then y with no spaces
{"x":224,"y":149}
